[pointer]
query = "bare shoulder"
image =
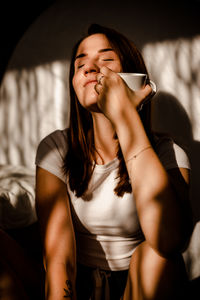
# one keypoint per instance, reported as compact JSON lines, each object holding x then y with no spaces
{"x":48,"y":184}
{"x":52,"y":200}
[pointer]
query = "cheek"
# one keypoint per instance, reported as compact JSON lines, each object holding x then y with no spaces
{"x":76,"y":85}
{"x":118,"y":67}
{"x":115,"y":67}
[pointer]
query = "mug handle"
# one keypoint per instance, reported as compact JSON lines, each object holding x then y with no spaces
{"x":148,"y":98}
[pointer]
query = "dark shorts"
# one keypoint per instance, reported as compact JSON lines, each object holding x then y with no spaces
{"x":100,"y":284}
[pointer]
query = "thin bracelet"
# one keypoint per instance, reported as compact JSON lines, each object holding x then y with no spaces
{"x":136,"y":155}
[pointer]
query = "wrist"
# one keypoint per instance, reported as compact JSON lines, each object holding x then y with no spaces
{"x":131,"y":133}
{"x":124,"y":116}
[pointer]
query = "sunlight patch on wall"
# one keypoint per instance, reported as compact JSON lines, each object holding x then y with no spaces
{"x":175,"y":67}
{"x":33,"y":103}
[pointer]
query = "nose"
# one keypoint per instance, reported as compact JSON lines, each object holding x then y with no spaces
{"x":91,"y":67}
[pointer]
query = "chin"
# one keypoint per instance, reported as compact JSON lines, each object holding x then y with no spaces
{"x":90,"y":102}
{"x":93,"y":108}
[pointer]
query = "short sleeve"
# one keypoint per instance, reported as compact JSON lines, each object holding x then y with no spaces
{"x":51,"y":153}
{"x":172,"y":155}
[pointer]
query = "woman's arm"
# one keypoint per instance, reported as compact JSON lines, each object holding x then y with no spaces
{"x":163,"y":209}
{"x":53,"y":209}
{"x":162,"y":203}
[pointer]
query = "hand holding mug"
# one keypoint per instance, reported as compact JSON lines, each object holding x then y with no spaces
{"x":137,"y":81}
{"x":115,"y":97}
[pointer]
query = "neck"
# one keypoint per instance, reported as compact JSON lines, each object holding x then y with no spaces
{"x":105,"y":144}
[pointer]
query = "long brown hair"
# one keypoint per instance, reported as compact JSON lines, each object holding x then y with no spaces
{"x":78,"y":163}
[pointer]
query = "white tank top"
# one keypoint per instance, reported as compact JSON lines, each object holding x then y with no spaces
{"x":106,"y":226}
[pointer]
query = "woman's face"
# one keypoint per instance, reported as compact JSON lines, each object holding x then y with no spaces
{"x":93,"y":52}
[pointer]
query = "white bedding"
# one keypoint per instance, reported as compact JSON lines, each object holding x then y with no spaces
{"x":17,"y":197}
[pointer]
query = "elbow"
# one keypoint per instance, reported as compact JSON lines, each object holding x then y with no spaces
{"x":172,"y":249}
{"x":174,"y":243}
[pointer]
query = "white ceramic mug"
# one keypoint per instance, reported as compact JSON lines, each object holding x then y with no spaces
{"x":136,"y":81}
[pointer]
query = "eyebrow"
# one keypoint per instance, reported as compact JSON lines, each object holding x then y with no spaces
{"x":99,"y":51}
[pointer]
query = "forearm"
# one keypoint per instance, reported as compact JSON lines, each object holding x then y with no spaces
{"x":60,"y":281}
{"x":60,"y":266}
{"x":159,"y":211}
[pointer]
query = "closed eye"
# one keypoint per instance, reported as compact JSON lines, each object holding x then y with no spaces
{"x":80,"y":66}
{"x":108,"y":59}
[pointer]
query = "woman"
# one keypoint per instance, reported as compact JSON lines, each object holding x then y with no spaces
{"x":112,"y":198}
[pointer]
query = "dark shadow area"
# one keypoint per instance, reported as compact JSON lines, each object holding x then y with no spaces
{"x":15,"y":18}
{"x":47,"y":29}
{"x":21,"y":252}
{"x":194,"y":289}
{"x":29,"y":239}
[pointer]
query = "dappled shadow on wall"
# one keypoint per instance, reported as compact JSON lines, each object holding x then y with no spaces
{"x":33,"y":102}
{"x":175,"y":67}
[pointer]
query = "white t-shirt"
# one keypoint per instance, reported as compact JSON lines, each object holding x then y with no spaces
{"x":106,"y":226}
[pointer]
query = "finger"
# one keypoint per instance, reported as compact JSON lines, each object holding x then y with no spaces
{"x":110,"y":77}
{"x":146,"y":91}
{"x":106,"y":71}
{"x":100,"y":79}
{"x":99,"y":84}
{"x":98,"y":88}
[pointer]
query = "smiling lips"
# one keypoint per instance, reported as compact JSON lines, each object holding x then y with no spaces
{"x":90,"y":81}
